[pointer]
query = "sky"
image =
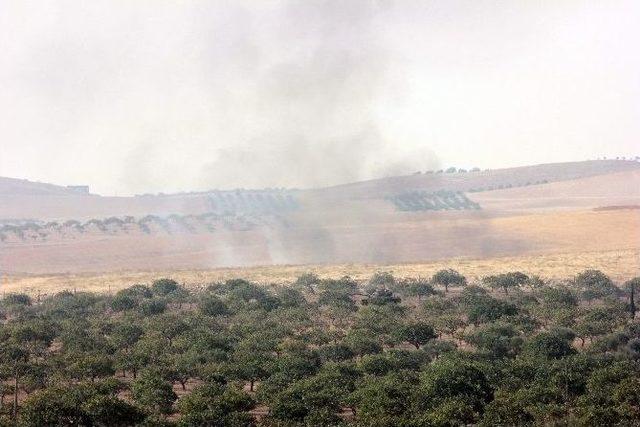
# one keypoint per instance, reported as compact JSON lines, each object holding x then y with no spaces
{"x":163,"y":95}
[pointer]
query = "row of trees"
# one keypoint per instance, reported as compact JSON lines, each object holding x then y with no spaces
{"x":451,"y":169}
{"x":255,"y":202}
{"x":437,"y":201}
{"x":508,"y":349}
{"x":114,"y":225}
{"x":509,"y":185}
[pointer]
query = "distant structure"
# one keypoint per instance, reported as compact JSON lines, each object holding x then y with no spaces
{"x":78,"y":189}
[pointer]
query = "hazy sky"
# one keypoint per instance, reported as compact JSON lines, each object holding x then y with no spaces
{"x":145,"y":96}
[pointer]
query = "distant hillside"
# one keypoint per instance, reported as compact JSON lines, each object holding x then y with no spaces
{"x":22,"y":200}
{"x":23,"y":187}
{"x":478,"y":181}
{"x":543,"y":209}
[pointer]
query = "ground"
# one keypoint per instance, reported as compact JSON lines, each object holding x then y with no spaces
{"x":621,"y":265}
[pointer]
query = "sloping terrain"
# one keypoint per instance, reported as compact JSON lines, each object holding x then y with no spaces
{"x":615,"y":189}
{"x":20,"y":199}
{"x":479,"y":181}
{"x":23,"y":187}
{"x":539,"y":210}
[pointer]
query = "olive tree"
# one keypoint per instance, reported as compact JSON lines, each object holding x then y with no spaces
{"x":448,"y":278}
{"x":416,"y":333}
{"x":153,"y":392}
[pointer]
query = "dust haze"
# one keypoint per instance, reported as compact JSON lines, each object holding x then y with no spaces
{"x":149,"y":96}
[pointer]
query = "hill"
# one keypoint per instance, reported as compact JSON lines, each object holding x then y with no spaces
{"x":614,"y":189}
{"x":478,"y":181}
{"x":28,"y":200}
{"x":541,"y":209}
{"x":23,"y":187}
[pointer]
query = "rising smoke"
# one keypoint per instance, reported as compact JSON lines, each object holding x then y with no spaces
{"x":158,"y":95}
{"x":311,"y":113}
{"x":164,"y":96}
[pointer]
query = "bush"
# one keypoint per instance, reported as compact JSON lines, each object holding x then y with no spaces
{"x":153,"y":392}
{"x":163,"y":287}
{"x":554,"y":344}
{"x":17,"y":299}
{"x":211,"y":305}
{"x":123,"y":302}
{"x":153,"y":306}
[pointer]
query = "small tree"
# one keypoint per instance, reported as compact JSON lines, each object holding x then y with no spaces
{"x":381,"y":296}
{"x":382,"y":279}
{"x":448,"y":278}
{"x":183,"y":367}
{"x":387,"y":398}
{"x":594,"y":284}
{"x":215,"y":404}
{"x":554,"y":344}
{"x":375,"y":364}
{"x":337,"y":299}
{"x":315,"y":400}
{"x":558,"y":297}
{"x":211,"y":305}
{"x":152,"y":306}
{"x":416,"y":333}
{"x":499,"y":339}
{"x":153,"y":392}
{"x":363,"y":342}
{"x":17,"y":299}
{"x":249,"y":364}
{"x":451,"y":378}
{"x":107,"y":410}
{"x":631,"y":287}
{"x":126,"y":334}
{"x":123,"y":302}
{"x":90,"y":365}
{"x":163,"y":287}
{"x":506,"y":281}
{"x":418,"y":287}
{"x":80,"y":404}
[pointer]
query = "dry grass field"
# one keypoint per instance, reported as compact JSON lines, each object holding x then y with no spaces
{"x":384,"y":237}
{"x":619,"y":264}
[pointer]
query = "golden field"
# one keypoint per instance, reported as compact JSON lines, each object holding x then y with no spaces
{"x":620,"y":265}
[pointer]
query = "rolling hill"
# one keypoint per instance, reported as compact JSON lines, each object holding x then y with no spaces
{"x":538,"y":209}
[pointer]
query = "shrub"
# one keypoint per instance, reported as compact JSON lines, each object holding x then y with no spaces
{"x":211,"y":305}
{"x":17,"y":299}
{"x":152,"y":306}
{"x":164,"y":287}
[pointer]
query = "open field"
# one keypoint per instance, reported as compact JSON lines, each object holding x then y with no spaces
{"x":381,"y":238}
{"x":566,"y":209}
{"x":621,"y":265}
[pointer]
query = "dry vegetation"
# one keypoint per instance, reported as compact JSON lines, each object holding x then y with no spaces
{"x":620,"y":265}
